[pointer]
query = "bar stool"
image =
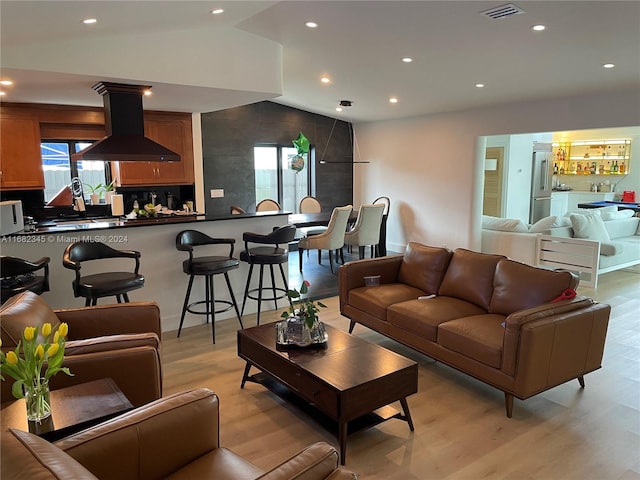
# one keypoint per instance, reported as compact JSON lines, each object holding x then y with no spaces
{"x":104,"y":284}
{"x":206,"y":266}
{"x":19,"y":275}
{"x":267,"y":255}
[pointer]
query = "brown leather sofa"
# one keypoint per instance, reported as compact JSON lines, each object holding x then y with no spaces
{"x":491,"y":317}
{"x":175,"y":437}
{"x":121,"y":341}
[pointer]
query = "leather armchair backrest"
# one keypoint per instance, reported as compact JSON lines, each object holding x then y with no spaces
{"x":470,"y":277}
{"x":423,"y":267}
{"x":25,"y":455}
{"x":24,"y":310}
{"x":517,"y":286}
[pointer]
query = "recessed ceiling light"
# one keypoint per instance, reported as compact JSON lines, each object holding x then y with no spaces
{"x":311,"y":24}
{"x":393,"y":100}
{"x":89,"y":21}
{"x":338,"y":109}
{"x":217,"y":11}
{"x":538,"y":28}
{"x":325,"y":79}
{"x":608,"y":65}
{"x":6,"y":83}
{"x":407,"y":59}
{"x":479,"y":85}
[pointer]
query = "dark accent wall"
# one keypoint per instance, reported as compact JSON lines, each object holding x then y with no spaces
{"x":228,"y":138}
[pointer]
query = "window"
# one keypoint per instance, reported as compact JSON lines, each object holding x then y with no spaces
{"x":59,"y":169}
{"x":276,"y":179}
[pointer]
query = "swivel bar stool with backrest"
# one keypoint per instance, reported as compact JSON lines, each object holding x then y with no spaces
{"x":274,"y":251}
{"x":207,"y":266}
{"x":105,"y":284}
{"x":19,"y":275}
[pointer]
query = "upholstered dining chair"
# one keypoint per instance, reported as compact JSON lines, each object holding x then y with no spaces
{"x":267,"y":205}
{"x":310,"y":204}
{"x":332,"y":239}
{"x":382,"y":244}
{"x":366,"y":231}
{"x":235,"y":210}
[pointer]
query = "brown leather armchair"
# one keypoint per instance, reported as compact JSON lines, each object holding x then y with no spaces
{"x":175,"y":437}
{"x":121,"y":341}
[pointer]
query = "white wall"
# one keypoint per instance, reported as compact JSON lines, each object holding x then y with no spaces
{"x":431,"y":167}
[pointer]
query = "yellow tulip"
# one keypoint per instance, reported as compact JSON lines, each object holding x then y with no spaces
{"x":0,"y":342}
{"x":12,"y":358}
{"x":63,"y":329}
{"x":29,"y":333}
{"x":40,"y":351}
{"x":52,"y":350}
{"x":46,"y":329}
{"x":56,"y":337}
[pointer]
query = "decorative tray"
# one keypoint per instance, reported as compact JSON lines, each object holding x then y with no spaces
{"x":293,"y":334}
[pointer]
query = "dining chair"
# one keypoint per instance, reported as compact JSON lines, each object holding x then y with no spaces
{"x":104,"y":284}
{"x":19,"y":275}
{"x":382,"y":244}
{"x":366,"y":231}
{"x":310,"y":204}
{"x":235,"y":210}
{"x":332,"y":239}
{"x":267,"y":205}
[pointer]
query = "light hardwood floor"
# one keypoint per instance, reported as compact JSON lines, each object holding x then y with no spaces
{"x":461,"y":431}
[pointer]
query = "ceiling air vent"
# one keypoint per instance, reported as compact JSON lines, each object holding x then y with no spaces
{"x":502,"y":11}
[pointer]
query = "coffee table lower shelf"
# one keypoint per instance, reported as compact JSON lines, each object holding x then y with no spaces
{"x":363,"y":422}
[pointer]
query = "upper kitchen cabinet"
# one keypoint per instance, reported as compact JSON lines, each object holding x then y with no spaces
{"x":592,"y":157}
{"x":172,"y":130}
{"x":20,"y":159}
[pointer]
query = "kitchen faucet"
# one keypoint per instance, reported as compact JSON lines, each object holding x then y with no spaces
{"x":153,"y":198}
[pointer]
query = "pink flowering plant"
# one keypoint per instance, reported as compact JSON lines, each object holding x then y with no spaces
{"x":305,"y":309}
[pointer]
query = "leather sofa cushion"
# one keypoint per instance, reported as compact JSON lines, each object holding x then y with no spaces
{"x":422,"y":317}
{"x":25,"y":455}
{"x":423,"y":267}
{"x":470,"y":277}
{"x":517,"y":286}
{"x":479,"y":337}
{"x":24,"y":310}
{"x":221,"y":464}
{"x":376,"y":300}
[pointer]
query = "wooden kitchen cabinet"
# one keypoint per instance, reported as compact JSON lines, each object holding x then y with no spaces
{"x":172,"y":130}
{"x":20,"y":158}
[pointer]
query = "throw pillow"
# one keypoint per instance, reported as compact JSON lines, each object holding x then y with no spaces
{"x":590,"y":227}
{"x":503,"y":224}
{"x":618,"y":214}
{"x":549,"y":222}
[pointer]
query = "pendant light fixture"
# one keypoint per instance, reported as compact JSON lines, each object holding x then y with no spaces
{"x":352,"y":139}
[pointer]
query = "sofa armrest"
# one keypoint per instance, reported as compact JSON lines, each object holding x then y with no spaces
{"x":111,"y":342}
{"x":317,"y":461}
{"x":154,"y":440}
{"x":121,"y":318}
{"x":351,"y":274}
{"x":548,"y":345}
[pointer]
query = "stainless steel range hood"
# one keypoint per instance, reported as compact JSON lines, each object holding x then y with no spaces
{"x":124,"y":126}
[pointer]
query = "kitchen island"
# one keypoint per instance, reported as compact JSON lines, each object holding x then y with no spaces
{"x":161,"y":263}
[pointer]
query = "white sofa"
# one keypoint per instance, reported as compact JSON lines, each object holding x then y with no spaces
{"x":556,"y":246}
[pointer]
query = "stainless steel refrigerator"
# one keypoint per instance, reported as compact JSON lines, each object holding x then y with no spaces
{"x":541,"y":173}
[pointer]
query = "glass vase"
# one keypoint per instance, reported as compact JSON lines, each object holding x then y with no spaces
{"x":36,"y":396}
{"x":302,"y":335}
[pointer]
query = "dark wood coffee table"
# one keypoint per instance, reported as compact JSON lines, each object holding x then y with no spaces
{"x":351,"y":381}
{"x":72,"y":409}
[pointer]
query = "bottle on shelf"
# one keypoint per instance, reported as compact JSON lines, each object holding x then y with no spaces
{"x":562,"y":169}
{"x":555,"y":168}
{"x":622,"y":168}
{"x":601,"y":169}
{"x":592,"y":170}
{"x":579,"y":170}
